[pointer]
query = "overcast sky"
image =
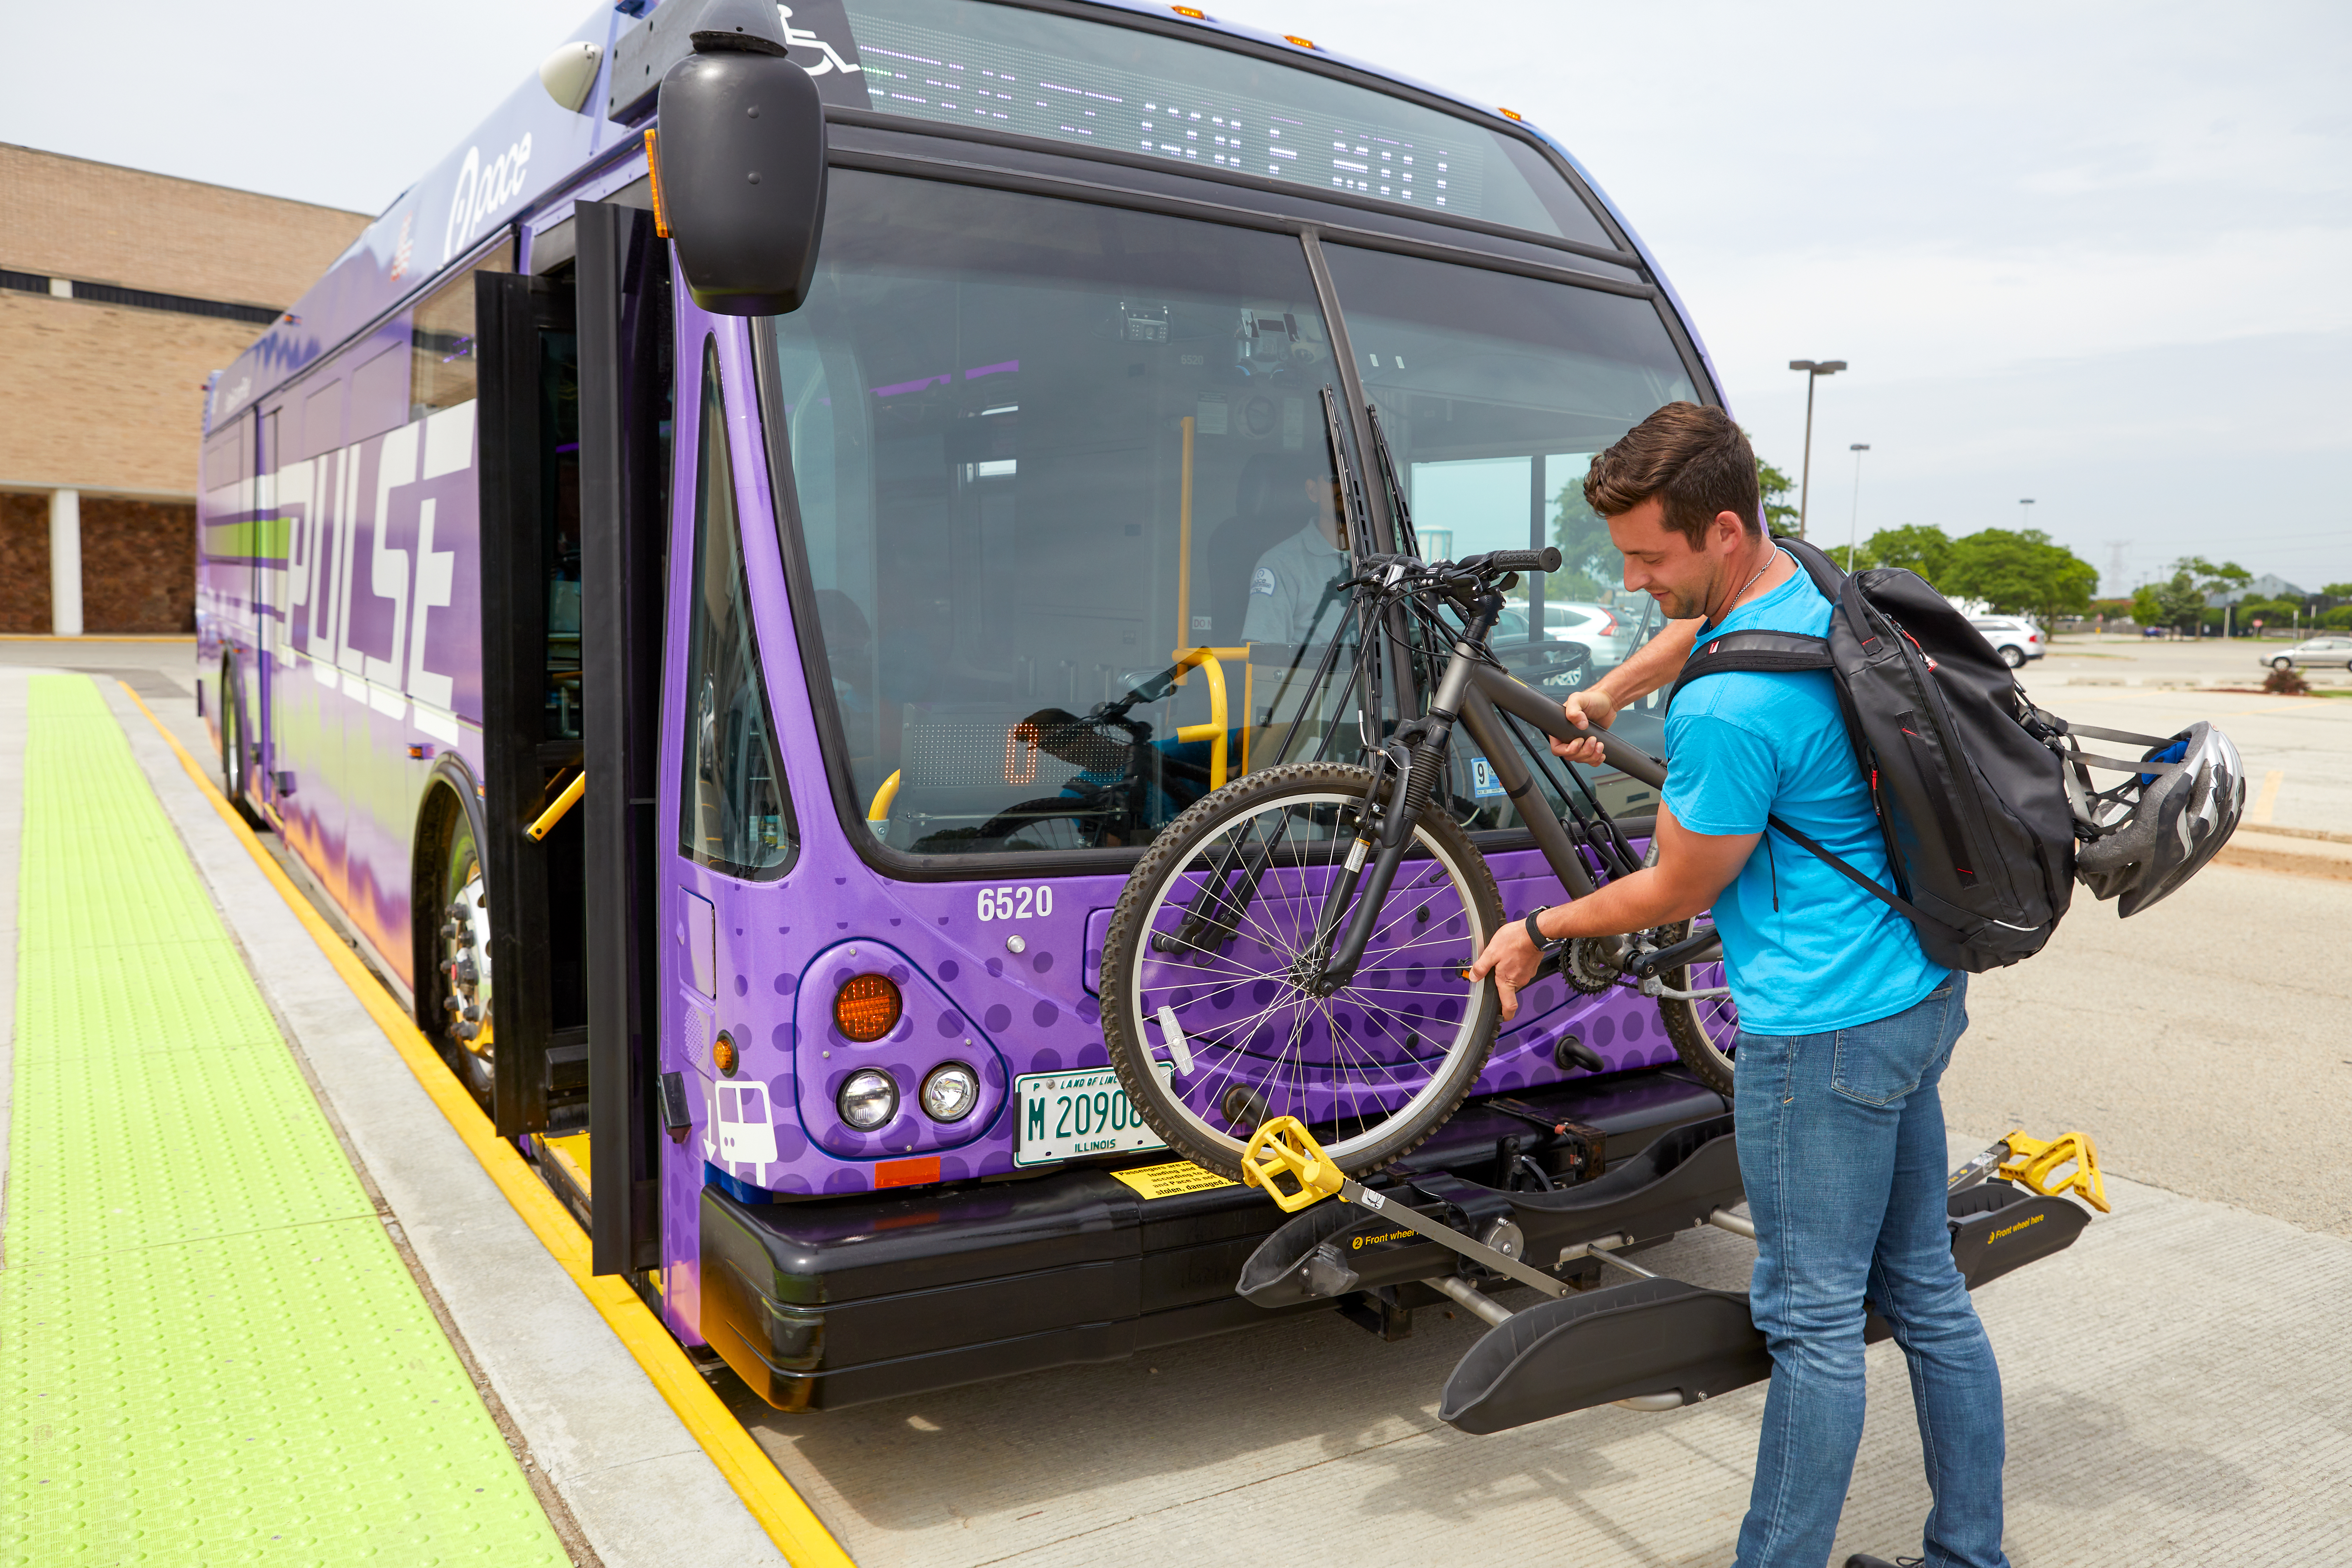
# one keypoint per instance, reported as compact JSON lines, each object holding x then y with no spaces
{"x":2099,"y":254}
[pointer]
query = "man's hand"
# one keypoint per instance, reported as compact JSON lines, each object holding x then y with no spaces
{"x":1512,"y":960}
{"x":1585,"y":709}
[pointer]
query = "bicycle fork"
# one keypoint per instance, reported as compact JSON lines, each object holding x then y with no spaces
{"x":1354,"y":896}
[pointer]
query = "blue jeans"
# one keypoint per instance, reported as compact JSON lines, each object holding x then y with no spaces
{"x":1841,"y":1149}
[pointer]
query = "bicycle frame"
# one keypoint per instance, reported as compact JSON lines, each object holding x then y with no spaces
{"x":1474,"y":694}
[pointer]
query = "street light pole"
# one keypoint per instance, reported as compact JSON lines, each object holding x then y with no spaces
{"x":1814,"y":370}
{"x":2023,"y":502}
{"x":1853,"y":525}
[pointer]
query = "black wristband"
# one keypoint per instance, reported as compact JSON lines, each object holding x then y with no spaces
{"x":1535,"y":934}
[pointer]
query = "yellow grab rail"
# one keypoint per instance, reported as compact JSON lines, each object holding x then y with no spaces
{"x":562,"y":804}
{"x":1210,"y":659}
{"x":877,"y":816}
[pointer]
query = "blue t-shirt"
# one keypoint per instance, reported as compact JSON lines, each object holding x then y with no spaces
{"x":1742,"y":745}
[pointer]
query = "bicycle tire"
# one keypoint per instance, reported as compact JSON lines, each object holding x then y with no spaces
{"x":1468,"y":887}
{"x":1699,"y":1029}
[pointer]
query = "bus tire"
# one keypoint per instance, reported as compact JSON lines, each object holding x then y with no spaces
{"x":449,"y":914}
{"x":235,"y":764}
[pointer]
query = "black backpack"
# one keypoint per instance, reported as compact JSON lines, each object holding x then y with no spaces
{"x":1970,"y":796}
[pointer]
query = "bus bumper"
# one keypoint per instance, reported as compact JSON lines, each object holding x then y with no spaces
{"x":823,"y":1303}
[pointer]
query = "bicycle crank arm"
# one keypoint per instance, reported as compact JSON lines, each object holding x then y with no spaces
{"x":1704,"y":948}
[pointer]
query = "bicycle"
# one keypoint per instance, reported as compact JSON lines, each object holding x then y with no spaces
{"x":1296,"y":940}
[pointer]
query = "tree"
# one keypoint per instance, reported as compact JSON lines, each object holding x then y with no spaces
{"x":1589,"y":564}
{"x":2336,"y":591}
{"x":2211,"y":579}
{"x":1775,"y":487}
{"x":2018,"y":572}
{"x":1916,"y":547}
{"x":2338,"y":619}
{"x":2176,"y":601}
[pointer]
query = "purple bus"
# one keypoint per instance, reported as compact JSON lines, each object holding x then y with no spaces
{"x":650,"y":669}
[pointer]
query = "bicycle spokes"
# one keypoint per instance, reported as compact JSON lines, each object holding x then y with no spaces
{"x":1244,"y":1029}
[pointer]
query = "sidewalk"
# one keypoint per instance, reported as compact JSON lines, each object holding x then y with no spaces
{"x":214,"y":1352}
{"x":528,"y":1359}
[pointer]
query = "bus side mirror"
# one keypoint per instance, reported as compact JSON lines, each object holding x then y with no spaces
{"x":740,"y":166}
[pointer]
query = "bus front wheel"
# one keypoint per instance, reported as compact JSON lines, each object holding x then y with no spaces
{"x":453,"y":991}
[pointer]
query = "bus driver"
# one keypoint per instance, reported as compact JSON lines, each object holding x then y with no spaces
{"x":1294,"y":594}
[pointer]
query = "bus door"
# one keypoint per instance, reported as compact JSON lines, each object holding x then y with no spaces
{"x":532,"y":742}
{"x":626,"y":377}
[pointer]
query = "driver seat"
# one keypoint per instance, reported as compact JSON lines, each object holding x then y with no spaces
{"x":1270,"y":504}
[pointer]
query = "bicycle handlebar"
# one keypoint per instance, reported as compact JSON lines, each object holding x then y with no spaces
{"x":1500,"y":561}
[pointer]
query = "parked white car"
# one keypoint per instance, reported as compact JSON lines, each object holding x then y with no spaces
{"x":2316,"y":653}
{"x":1597,"y":626}
{"x":2015,"y":639}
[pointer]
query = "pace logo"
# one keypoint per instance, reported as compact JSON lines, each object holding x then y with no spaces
{"x":481,"y":192}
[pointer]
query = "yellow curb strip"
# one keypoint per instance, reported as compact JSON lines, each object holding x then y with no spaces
{"x":781,"y":1512}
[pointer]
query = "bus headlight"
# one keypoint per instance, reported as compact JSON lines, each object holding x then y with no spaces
{"x":869,"y":1100}
{"x":949,"y":1092}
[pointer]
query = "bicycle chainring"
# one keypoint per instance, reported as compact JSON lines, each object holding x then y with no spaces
{"x":1586,"y":966}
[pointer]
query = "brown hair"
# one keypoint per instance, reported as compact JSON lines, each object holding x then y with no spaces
{"x":1694,"y":458}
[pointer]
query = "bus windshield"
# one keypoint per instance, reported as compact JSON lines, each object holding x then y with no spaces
{"x":1067,"y":80}
{"x":1038,"y":448}
{"x":1042,"y":451}
{"x":1494,"y":392}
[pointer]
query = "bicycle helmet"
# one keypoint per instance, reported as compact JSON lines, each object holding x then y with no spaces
{"x":2179,"y":816}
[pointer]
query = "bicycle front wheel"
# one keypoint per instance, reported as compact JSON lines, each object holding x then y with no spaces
{"x":1210,"y":1010}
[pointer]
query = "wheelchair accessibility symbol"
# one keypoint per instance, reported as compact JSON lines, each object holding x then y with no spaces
{"x":801,"y":38}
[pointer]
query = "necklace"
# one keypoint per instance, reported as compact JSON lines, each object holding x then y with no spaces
{"x":1732,"y":603}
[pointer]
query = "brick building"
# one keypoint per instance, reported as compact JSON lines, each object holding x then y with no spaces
{"x":120,"y":292}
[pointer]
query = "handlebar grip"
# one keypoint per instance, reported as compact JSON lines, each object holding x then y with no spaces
{"x":1544,"y":559}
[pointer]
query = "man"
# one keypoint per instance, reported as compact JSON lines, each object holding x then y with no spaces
{"x":1845,"y":1026}
{"x":1291,"y":598}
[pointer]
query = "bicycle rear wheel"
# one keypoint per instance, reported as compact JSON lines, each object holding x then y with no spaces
{"x":1207,"y":1012}
{"x":1705,"y":1029}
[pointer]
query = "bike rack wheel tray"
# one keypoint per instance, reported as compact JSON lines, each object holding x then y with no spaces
{"x":1654,"y":1343}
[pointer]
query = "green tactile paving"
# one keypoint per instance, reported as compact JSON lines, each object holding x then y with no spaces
{"x":158,"y":997}
{"x":209,"y":1351}
{"x":267,"y":1398}
{"x":201,"y":1143}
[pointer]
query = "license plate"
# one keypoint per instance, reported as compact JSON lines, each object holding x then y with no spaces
{"x":1064,"y":1115}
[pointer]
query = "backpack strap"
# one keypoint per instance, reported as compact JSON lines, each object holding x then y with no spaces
{"x":1769,"y":652}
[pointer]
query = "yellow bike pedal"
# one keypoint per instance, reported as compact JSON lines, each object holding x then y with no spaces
{"x":1283,"y":1147}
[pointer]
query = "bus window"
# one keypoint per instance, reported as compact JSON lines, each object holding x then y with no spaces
{"x":1041,"y":451}
{"x":733,"y":815}
{"x":441,"y":339}
{"x":1496,"y":392}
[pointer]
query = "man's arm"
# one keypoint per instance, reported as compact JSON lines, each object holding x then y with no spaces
{"x":1692,"y":870}
{"x":1653,"y":665}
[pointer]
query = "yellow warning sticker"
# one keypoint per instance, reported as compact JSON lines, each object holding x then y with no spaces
{"x":1170,"y":1180}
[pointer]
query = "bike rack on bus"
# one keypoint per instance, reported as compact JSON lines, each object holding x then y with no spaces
{"x":1653,"y":1343}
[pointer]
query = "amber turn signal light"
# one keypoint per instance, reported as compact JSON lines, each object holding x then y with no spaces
{"x":724,"y":1054}
{"x":867,"y":1008}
